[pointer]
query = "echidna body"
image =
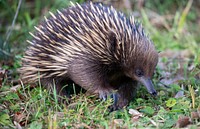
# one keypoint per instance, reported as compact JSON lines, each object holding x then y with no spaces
{"x":94,"y":46}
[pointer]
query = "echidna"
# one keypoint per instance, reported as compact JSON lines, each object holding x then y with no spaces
{"x":94,"y":46}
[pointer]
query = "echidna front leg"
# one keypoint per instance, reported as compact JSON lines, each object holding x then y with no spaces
{"x":105,"y":94}
{"x":124,"y":95}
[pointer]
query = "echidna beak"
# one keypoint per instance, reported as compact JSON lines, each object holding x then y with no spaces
{"x":149,"y":85}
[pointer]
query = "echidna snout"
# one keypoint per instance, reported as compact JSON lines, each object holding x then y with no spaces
{"x":147,"y":82}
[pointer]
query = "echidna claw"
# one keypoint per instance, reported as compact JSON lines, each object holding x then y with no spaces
{"x":103,"y":96}
{"x":114,"y":96}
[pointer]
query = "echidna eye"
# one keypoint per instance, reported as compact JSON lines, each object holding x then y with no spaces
{"x":139,"y":73}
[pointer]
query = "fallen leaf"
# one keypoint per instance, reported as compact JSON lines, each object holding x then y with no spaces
{"x":15,"y":88}
{"x":180,"y":93}
{"x":135,"y":114}
{"x":118,"y":121}
{"x":20,"y":118}
{"x":195,"y":115}
{"x":17,"y":125}
{"x":183,"y":121}
{"x":82,"y":125}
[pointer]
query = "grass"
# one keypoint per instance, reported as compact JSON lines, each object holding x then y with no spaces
{"x":177,"y":74}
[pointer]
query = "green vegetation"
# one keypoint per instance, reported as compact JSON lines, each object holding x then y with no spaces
{"x":173,"y":26}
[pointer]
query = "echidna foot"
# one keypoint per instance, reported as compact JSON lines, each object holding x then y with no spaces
{"x":115,"y":96}
{"x":105,"y":95}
